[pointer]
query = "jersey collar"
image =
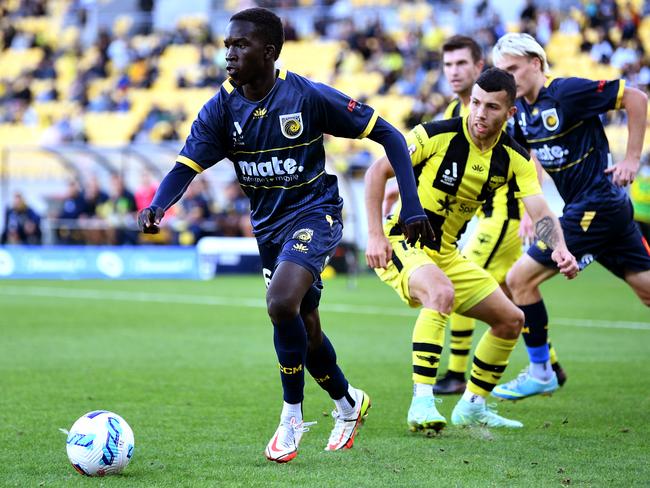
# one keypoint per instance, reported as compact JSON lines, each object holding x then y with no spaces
{"x":471,"y":141}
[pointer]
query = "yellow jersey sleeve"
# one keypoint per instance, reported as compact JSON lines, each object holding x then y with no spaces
{"x":525,"y":175}
{"x":451,"y":108}
{"x":421,"y":147}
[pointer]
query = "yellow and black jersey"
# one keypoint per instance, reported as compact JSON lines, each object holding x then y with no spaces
{"x":454,"y":177}
{"x":502,"y":204}
{"x":456,"y":109}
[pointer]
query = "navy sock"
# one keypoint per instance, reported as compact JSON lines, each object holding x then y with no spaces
{"x":290,"y":340}
{"x":321,"y":364}
{"x":535,"y":331}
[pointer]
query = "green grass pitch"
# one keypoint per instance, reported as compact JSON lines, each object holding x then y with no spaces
{"x":191,"y":367}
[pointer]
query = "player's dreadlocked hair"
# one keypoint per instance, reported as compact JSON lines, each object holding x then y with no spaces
{"x":267,"y":25}
{"x":495,"y":79}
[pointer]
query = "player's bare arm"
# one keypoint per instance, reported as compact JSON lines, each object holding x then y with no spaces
{"x":378,"y":249}
{"x":526,"y":229}
{"x":549,"y":231}
{"x":391,"y":195}
{"x":635,"y":103}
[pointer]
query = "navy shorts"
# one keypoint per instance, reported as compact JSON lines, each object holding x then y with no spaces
{"x":608,"y":235}
{"x":310,"y":242}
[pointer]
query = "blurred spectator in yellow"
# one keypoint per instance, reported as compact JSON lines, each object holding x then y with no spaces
{"x":22,"y":223}
{"x":119,"y":211}
{"x":640,"y":195}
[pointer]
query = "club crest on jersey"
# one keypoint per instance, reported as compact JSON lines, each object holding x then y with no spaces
{"x":291,"y":125}
{"x":303,"y":235}
{"x":496,"y":182}
{"x":550,"y":119}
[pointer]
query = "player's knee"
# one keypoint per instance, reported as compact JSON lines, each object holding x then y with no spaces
{"x":510,"y":324}
{"x":644,"y":293}
{"x":513,"y":283}
{"x":281,"y":308}
{"x":440,"y":297}
{"x":516,"y":322}
{"x":645,"y":298}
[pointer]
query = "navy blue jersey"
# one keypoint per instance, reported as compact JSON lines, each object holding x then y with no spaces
{"x":276,"y":145}
{"x":563,"y":129}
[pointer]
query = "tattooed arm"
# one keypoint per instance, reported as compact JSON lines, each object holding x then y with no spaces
{"x":548,"y":230}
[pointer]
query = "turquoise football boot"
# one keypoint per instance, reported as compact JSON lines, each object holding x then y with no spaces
{"x":524,"y":386}
{"x":480,"y":414}
{"x":423,"y":414}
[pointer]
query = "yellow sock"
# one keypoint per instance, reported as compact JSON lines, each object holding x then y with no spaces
{"x":553,"y":353}
{"x":428,"y":338}
{"x":490,"y":361}
{"x":461,"y":329}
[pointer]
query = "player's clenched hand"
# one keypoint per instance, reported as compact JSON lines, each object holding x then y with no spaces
{"x":419,"y":230}
{"x":624,"y":172}
{"x":566,"y":263}
{"x":149,"y":219}
{"x":378,"y":251}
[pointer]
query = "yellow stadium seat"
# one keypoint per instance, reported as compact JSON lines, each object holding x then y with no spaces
{"x":314,"y":59}
{"x":359,"y":84}
{"x":393,"y":108}
{"x":34,"y":164}
{"x":110,"y":129}
{"x":174,"y":59}
{"x":14,"y":61}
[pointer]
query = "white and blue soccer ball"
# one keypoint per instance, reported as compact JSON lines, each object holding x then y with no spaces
{"x":100,"y":443}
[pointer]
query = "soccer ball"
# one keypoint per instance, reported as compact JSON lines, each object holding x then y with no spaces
{"x":100,"y":443}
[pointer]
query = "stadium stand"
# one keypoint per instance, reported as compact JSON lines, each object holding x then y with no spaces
{"x":124,"y":93}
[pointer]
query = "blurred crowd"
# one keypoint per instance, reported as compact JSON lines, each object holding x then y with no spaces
{"x":127,"y":58}
{"x":129,"y":55}
{"x":88,"y":213}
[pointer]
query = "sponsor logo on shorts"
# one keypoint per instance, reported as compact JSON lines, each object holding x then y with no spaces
{"x":300,"y":247}
{"x":585,"y":261}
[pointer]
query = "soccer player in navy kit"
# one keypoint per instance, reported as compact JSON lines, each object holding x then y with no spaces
{"x":270,"y":124}
{"x":558,"y":119}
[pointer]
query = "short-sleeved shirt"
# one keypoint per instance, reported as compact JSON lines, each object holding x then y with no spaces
{"x":454,"y":177}
{"x":563,"y":129}
{"x":502,"y":205}
{"x":276,"y":146}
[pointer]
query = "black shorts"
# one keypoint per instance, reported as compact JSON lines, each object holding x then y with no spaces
{"x":310,"y":241}
{"x":608,"y":235}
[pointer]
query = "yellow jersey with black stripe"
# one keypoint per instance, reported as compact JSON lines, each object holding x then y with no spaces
{"x":502,"y":204}
{"x":454,"y":177}
{"x":276,"y":145}
{"x":456,"y":109}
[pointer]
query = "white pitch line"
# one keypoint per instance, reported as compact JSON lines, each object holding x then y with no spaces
{"x":76,"y":293}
